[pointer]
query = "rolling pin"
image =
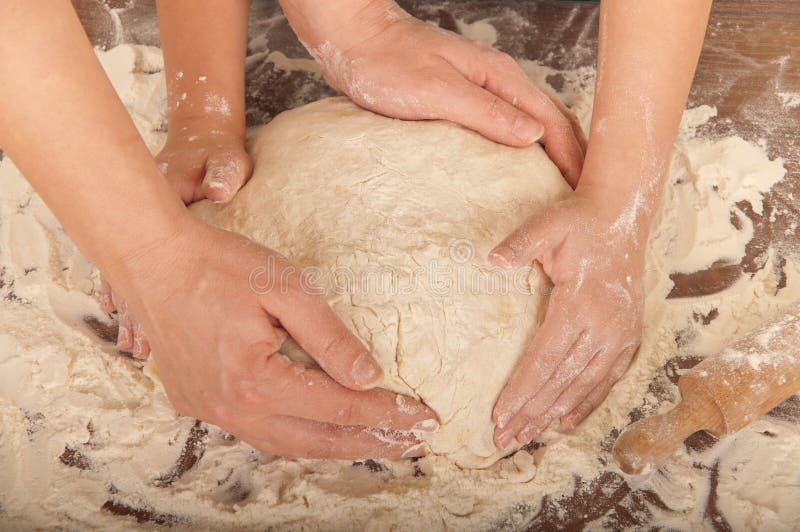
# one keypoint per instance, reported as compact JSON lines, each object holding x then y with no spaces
{"x":721,"y":394}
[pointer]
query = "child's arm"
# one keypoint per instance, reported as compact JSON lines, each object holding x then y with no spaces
{"x":593,"y":245}
{"x":214,"y":338}
{"x":205,"y":44}
{"x":391,"y":63}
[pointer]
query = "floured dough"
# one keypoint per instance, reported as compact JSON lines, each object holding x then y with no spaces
{"x":396,"y":220}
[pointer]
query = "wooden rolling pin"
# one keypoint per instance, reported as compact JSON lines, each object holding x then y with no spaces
{"x":721,"y":395}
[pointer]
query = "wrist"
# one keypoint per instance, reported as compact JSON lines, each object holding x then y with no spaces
{"x":202,"y":125}
{"x":196,"y":99}
{"x":140,"y":261}
{"x":343,"y":24}
{"x":624,"y":215}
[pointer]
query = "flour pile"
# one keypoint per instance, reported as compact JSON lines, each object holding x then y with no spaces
{"x":87,"y":437}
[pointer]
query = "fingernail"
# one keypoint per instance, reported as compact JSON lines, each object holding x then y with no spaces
{"x":427,"y":425}
{"x":219,"y":184}
{"x":499,"y":260}
{"x":564,"y":425}
{"x":416,"y":451}
{"x":527,"y":129}
{"x":502,"y":420}
{"x":505,"y":438}
{"x":123,"y":336}
{"x":366,"y":372}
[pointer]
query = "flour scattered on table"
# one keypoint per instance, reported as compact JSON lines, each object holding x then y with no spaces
{"x":790,"y":100}
{"x":88,"y":439}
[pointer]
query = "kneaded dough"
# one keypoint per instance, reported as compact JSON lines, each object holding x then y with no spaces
{"x":396,"y":219}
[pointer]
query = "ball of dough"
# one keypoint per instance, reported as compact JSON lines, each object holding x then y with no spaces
{"x":395,"y":220}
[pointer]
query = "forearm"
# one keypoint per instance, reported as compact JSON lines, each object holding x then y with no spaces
{"x":317,"y":22}
{"x":65,"y":128}
{"x":205,"y":45}
{"x":647,"y":56}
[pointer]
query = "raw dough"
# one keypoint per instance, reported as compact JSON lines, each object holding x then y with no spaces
{"x":397,"y":219}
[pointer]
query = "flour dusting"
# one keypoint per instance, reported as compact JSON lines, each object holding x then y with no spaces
{"x":88,"y":438}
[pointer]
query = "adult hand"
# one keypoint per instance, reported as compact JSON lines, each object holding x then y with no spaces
{"x":216,"y":344}
{"x":204,"y":157}
{"x":402,"y":67}
{"x":594,"y":317}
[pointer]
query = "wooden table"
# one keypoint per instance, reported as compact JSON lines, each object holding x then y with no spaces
{"x":751,"y":54}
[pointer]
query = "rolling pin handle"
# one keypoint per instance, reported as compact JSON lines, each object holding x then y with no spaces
{"x":645,"y":445}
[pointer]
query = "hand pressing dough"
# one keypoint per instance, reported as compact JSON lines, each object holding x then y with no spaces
{"x":395,"y":220}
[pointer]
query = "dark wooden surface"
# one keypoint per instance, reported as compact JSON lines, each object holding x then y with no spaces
{"x":751,"y":54}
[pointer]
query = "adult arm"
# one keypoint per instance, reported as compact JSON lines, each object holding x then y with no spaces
{"x":394,"y":64}
{"x":215,"y":340}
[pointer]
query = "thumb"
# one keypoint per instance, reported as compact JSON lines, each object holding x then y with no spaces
{"x":226,"y":172}
{"x":182,"y":171}
{"x":476,"y":108}
{"x":318,"y":330}
{"x":536,"y":239}
{"x":323,"y":335}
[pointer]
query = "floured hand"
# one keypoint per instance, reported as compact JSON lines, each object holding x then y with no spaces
{"x":205,"y":159}
{"x":594,"y":318}
{"x":216,"y":337}
{"x":394,"y":64}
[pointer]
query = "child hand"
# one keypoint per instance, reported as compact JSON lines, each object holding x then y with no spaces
{"x":204,"y":159}
{"x":594,"y":317}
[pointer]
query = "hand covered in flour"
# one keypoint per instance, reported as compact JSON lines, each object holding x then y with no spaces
{"x":217,"y":308}
{"x":204,"y":158}
{"x":394,"y":64}
{"x":594,"y":317}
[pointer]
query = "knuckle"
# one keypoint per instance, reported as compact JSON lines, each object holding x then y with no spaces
{"x":271,"y":343}
{"x":494,"y":107}
{"x":503,"y":59}
{"x":244,"y":394}
{"x":349,"y":414}
{"x":335,"y":344}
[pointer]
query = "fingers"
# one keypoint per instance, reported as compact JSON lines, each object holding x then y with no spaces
{"x":515,"y":408}
{"x":294,"y":438}
{"x":538,"y":238}
{"x":130,"y":334}
{"x":183,"y":170}
{"x":600,"y":392}
{"x":141,"y":347}
{"x":530,"y":420}
{"x":500,"y":75}
{"x":125,"y":324}
{"x":106,"y":301}
{"x":320,"y":332}
{"x":301,"y":392}
{"x":549,"y":347}
{"x":226,"y":172}
{"x":561,"y":139}
{"x":478,"y":109}
{"x":577,"y":130}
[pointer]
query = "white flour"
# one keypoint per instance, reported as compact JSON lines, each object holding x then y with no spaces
{"x":85,"y":433}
